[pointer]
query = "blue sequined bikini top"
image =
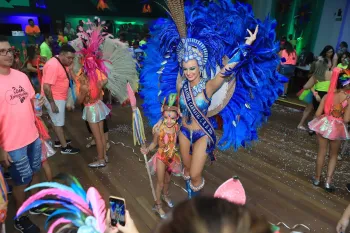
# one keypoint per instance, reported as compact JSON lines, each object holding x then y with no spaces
{"x":201,"y":99}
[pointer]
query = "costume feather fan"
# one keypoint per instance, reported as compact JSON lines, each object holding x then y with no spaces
{"x":222,"y":27}
{"x":71,"y":203}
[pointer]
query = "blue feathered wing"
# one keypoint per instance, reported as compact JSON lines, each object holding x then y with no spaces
{"x":222,"y":27}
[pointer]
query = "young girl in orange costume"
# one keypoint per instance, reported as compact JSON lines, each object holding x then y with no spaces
{"x":166,"y":160}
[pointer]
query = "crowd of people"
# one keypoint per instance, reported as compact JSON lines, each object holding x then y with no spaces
{"x":192,"y":89}
{"x":326,"y":97}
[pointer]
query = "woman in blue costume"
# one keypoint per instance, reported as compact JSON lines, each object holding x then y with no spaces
{"x":189,"y":54}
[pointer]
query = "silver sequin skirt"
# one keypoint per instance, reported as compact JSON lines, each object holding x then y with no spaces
{"x":96,"y":112}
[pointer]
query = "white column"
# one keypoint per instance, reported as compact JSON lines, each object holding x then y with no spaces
{"x":329,"y":27}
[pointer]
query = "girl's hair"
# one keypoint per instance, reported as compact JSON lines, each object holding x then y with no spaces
{"x":342,"y":55}
{"x":212,"y":215}
{"x":318,"y":68}
{"x":289,"y":47}
{"x":325,"y":50}
{"x":31,"y":51}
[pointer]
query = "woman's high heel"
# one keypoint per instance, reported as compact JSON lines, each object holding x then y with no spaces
{"x":106,"y":159}
{"x":156,"y":208}
{"x":315,"y":181}
{"x":329,"y":187}
{"x":167,"y":200}
{"x":97,"y":164}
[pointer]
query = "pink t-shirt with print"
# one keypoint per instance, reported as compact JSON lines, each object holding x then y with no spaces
{"x":55,"y":75}
{"x":17,"y":120}
{"x":291,"y":59}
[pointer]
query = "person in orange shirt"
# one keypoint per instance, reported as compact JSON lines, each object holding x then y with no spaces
{"x":32,"y":31}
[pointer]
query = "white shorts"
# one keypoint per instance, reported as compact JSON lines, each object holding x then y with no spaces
{"x":57,"y":118}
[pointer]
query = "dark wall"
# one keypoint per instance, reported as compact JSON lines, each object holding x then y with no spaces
{"x":59,"y":8}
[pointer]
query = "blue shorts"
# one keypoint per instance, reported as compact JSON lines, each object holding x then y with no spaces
{"x":26,"y":162}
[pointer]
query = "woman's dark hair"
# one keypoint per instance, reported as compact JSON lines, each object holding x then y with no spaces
{"x":31,"y":51}
{"x":289,"y":47}
{"x":342,"y":55}
{"x":310,"y":58}
{"x":344,"y":44}
{"x":325,"y":50}
{"x":212,"y":215}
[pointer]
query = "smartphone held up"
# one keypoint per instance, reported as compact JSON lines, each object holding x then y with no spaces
{"x":117,"y":207}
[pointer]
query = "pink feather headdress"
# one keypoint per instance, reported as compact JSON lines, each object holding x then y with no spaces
{"x":92,"y":39}
{"x":72,"y":205}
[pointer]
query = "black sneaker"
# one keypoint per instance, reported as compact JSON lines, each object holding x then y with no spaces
{"x":7,"y":176}
{"x":69,"y":150}
{"x":348,"y":187}
{"x":24,"y":225}
{"x":41,"y":210}
{"x":58,"y":144}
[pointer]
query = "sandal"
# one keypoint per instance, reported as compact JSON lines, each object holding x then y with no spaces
{"x":167,"y":200}
{"x":158,"y":209}
{"x":91,"y":143}
{"x":315,"y":182}
{"x":301,"y":127}
{"x":97,"y":164}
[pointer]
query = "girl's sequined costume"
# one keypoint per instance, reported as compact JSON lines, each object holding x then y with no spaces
{"x":332,"y":126}
{"x":95,"y":110}
{"x":167,"y":151}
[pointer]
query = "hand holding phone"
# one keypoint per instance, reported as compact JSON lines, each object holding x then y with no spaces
{"x":117,"y":208}
{"x":129,"y":226}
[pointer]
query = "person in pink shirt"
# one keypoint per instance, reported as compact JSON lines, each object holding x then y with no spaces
{"x":55,"y":86}
{"x":19,"y":137}
{"x":289,"y":60}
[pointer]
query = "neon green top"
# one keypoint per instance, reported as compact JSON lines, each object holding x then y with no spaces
{"x":341,"y":66}
{"x":45,"y":51}
{"x":322,"y":86}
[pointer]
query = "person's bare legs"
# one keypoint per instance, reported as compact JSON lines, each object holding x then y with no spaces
{"x":321,"y":155}
{"x":185,"y":153}
{"x":160,"y":185}
{"x":19,"y":194}
{"x":198,"y":160}
{"x":103,"y":138}
{"x":167,"y":179}
{"x":334,"y":147}
{"x":307,"y":111}
{"x":98,"y":139}
{"x":18,"y":191}
{"x":47,"y":170}
{"x":35,"y":180}
{"x":60,"y":135}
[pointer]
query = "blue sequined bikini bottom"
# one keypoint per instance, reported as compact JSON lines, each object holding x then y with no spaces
{"x":193,"y":136}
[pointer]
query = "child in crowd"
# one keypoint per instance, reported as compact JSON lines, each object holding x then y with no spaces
{"x":166,"y":161}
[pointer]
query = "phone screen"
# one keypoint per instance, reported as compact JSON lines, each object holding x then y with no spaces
{"x":117,"y":207}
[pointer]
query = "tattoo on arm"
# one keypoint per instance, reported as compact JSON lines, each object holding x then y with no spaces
{"x":48,"y":93}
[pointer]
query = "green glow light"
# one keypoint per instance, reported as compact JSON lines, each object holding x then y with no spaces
{"x":121,"y":23}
